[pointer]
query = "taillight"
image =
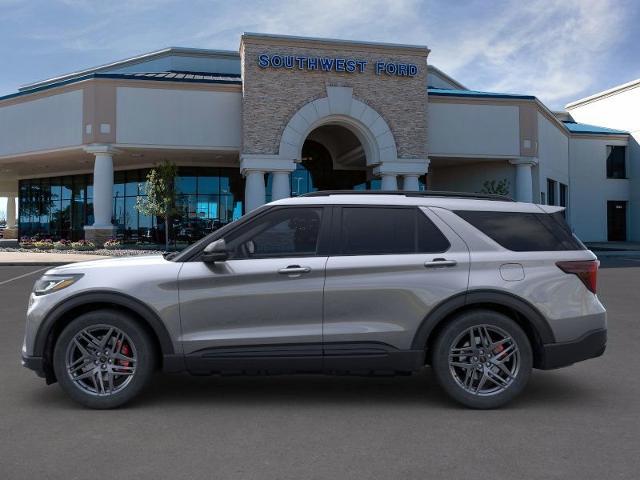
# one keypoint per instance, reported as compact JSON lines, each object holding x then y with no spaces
{"x":587,"y":271}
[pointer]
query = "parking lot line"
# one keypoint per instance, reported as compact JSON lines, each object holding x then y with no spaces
{"x":23,"y":275}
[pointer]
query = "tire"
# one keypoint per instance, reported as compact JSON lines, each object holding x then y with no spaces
{"x":106,"y":376}
{"x":474,"y":378}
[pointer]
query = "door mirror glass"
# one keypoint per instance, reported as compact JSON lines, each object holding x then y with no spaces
{"x":215,"y":251}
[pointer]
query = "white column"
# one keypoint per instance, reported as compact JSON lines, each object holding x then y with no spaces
{"x":103,"y":189}
{"x":280,"y":187}
{"x":389,"y":182}
{"x":524,"y":178}
{"x":254,"y":193}
{"x":11,"y":211}
{"x":410,"y":183}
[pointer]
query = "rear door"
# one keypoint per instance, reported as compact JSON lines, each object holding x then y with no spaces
{"x":389,"y":267}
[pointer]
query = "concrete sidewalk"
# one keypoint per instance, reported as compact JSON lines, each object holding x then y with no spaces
{"x":45,"y":259}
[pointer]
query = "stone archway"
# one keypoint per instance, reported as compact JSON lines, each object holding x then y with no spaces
{"x":340,"y":108}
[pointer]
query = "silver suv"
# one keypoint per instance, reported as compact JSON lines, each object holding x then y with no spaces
{"x":482,"y":289}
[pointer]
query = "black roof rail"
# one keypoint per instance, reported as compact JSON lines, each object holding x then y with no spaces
{"x":425,"y":193}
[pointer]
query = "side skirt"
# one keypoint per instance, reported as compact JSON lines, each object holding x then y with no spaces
{"x":338,"y":358}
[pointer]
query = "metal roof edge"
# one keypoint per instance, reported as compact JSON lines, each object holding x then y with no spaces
{"x":122,"y":76}
{"x":604,"y":93}
{"x":130,"y":61}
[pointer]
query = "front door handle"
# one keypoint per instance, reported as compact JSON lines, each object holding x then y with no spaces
{"x":440,"y":263}
{"x":294,"y":270}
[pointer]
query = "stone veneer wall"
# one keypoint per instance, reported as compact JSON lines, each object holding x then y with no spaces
{"x":271,"y":96}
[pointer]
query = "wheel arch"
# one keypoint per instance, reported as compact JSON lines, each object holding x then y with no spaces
{"x":65,"y":312}
{"x":522,"y":312}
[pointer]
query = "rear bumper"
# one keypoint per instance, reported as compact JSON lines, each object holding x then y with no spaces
{"x":34,"y":363}
{"x":591,"y":345}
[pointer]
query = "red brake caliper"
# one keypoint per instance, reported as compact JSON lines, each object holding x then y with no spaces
{"x":498,"y":349}
{"x":125,"y":350}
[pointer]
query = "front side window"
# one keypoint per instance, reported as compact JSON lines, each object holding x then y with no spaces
{"x":616,"y":161}
{"x":388,"y":230}
{"x":285,"y":232}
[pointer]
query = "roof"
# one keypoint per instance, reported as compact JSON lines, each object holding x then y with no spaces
{"x":604,"y":93}
{"x":451,"y":203}
{"x":575,"y":127}
{"x":475,"y":93}
{"x":171,"y":76}
{"x":145,"y":57}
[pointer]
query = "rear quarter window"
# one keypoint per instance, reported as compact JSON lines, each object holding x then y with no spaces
{"x":524,"y":232}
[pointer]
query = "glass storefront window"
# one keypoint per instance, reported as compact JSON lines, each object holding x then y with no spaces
{"x":59,"y":207}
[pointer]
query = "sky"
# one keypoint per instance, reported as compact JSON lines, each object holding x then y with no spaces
{"x":558,"y":50}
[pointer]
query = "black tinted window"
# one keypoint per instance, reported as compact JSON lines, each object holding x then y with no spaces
{"x":283,"y":232}
{"x":376,"y":231}
{"x":616,"y":162}
{"x":524,"y":232}
{"x":430,"y":239}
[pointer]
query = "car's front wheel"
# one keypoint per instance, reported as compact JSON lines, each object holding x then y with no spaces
{"x":482,"y":359}
{"x":103,"y":359}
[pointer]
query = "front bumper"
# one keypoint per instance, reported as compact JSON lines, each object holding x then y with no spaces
{"x":34,"y":363}
{"x":591,"y":345}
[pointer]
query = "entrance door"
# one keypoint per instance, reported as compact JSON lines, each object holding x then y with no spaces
{"x":617,"y":221}
{"x":262,"y":308}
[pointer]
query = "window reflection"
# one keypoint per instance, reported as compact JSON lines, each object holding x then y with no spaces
{"x":59,"y":207}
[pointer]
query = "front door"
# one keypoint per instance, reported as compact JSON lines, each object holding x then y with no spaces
{"x":262,"y":308}
{"x":617,"y":221}
{"x":392,"y":265}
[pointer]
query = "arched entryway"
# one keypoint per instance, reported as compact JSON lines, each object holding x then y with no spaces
{"x":332,"y":158}
{"x":336,"y":142}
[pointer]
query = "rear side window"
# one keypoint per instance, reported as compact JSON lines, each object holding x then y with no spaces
{"x":524,"y":232}
{"x":382,"y":230}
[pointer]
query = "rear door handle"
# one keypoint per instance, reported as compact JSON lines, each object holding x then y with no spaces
{"x":294,"y":270}
{"x":440,"y":263}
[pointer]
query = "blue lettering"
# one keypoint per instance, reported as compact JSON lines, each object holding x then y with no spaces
{"x":263,"y":61}
{"x":361,"y":65}
{"x":340,"y":64}
{"x":413,"y":70}
{"x":276,"y":61}
{"x":312,"y":63}
{"x":326,"y":63}
{"x":392,"y":68}
{"x":402,"y":69}
{"x":379,"y":67}
{"x":301,"y":61}
{"x":288,"y":61}
{"x":351,"y":66}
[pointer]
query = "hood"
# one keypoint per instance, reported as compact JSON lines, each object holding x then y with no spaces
{"x":108,"y":262}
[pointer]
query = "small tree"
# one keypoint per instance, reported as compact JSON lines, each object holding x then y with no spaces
{"x":160,"y":200}
{"x":492,"y":187}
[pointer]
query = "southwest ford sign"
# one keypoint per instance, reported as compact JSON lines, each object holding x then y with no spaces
{"x":331,"y":64}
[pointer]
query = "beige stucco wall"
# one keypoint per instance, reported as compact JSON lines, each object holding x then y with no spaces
{"x":272,"y":96}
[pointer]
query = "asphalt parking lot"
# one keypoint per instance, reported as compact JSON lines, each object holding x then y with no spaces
{"x":582,"y":422}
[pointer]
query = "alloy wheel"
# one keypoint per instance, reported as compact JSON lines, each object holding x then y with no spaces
{"x":101,"y":360}
{"x":484,"y":360}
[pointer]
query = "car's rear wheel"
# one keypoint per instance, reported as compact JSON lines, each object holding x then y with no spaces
{"x":482,"y":359}
{"x":103,"y":359}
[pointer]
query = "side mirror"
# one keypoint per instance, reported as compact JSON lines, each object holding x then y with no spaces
{"x":215,"y":252}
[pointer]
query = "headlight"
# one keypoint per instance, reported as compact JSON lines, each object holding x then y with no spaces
{"x":53,"y":283}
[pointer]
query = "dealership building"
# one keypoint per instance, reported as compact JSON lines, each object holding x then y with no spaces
{"x":288,"y":115}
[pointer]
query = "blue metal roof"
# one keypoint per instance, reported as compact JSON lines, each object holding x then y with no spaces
{"x":575,"y":127}
{"x":173,"y":76}
{"x":444,"y":92}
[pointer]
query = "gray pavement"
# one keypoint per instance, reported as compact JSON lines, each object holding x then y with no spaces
{"x":582,"y":422}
